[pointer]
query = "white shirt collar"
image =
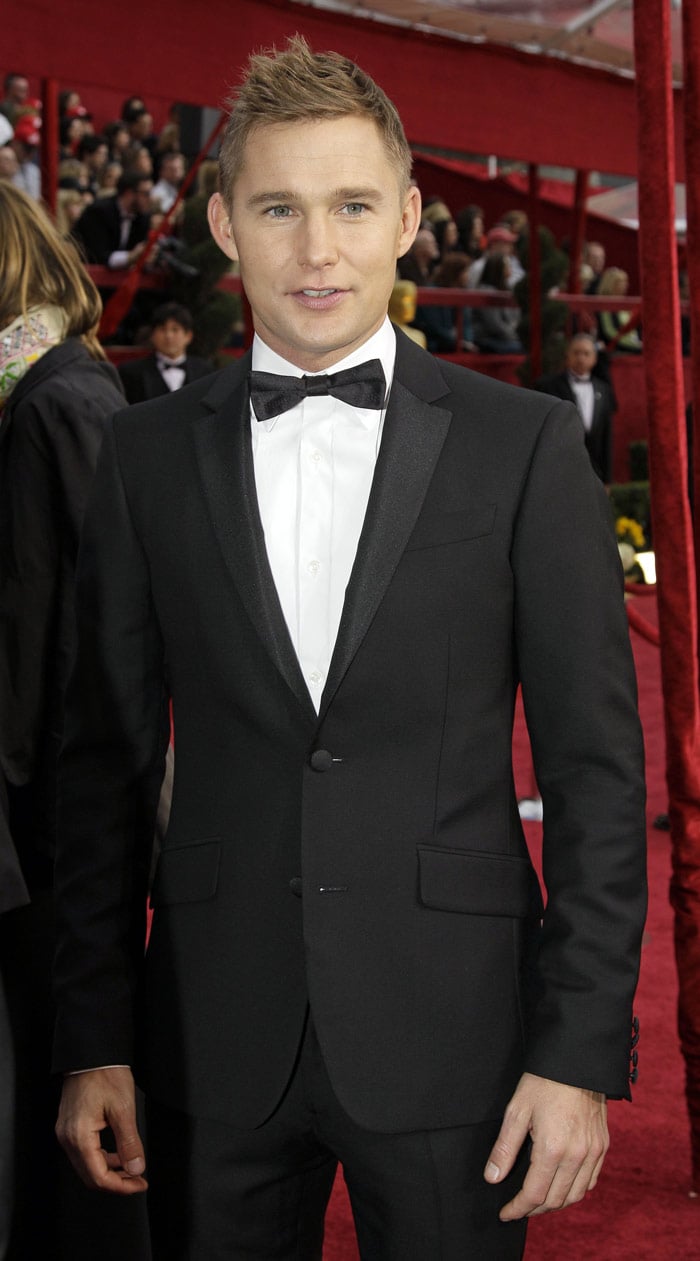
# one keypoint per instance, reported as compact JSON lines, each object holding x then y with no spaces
{"x":381,"y":345}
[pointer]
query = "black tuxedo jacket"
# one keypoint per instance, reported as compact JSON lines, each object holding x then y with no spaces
{"x":99,"y":230}
{"x":599,"y":437}
{"x":142,"y":379}
{"x":368,"y":860}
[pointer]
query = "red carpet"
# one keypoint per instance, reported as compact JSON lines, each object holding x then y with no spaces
{"x":640,"y":1210}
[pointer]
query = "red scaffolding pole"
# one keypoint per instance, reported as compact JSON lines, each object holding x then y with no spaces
{"x":672,"y":526}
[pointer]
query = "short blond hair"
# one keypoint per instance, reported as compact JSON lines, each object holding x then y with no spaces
{"x":38,"y":266}
{"x":298,"y":85}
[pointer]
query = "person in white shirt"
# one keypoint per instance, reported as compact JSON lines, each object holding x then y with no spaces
{"x":581,"y":383}
{"x":171,"y":175}
{"x":332,"y":563}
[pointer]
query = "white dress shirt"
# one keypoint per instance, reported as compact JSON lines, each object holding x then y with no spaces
{"x":584,"y":394}
{"x":313,"y":473}
{"x":172,"y":371}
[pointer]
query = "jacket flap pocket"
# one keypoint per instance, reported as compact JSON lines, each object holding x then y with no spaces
{"x":475,"y":882}
{"x":435,"y":528}
{"x":189,"y":873}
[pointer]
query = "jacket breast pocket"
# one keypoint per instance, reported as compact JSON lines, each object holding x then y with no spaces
{"x":437,"y":528}
{"x":187,"y":873}
{"x":477,"y":883}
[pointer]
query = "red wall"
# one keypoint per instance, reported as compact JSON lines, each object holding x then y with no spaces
{"x":461,"y":96}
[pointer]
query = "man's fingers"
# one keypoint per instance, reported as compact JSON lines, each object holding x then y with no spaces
{"x":126,"y":1136}
{"x":90,"y":1102}
{"x":511,"y":1137}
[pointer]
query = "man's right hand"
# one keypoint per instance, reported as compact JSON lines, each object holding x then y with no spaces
{"x":89,"y":1103}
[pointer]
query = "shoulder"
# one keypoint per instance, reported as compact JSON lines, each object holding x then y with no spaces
{"x":65,"y":378}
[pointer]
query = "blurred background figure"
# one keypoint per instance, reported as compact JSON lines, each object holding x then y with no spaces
{"x":592,"y":396}
{"x":170,"y":366}
{"x":56,"y":394}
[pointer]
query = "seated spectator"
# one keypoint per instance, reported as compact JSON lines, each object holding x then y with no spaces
{"x":452,"y":274}
{"x":70,"y":204}
{"x":117,"y":136}
{"x":132,"y":105}
{"x":434,"y":211}
{"x":69,"y":100}
{"x":93,"y":152}
{"x":417,"y":264}
{"x":9,"y":166}
{"x":110,"y":178}
{"x":113,"y":230}
{"x":500,"y":243}
{"x":172,"y":173}
{"x":16,"y":93}
{"x":169,"y":138}
{"x":447,"y":237}
{"x":593,"y":397}
{"x":138,"y":161}
{"x":593,"y":260}
{"x":470,"y":226}
{"x":170,"y":366}
{"x":614,"y":283}
{"x":496,"y":328}
{"x":71,"y":131}
{"x":72,"y":173}
{"x":439,"y":331}
{"x":140,"y":124}
{"x":25,"y":143}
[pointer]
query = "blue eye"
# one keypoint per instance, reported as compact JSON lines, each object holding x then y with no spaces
{"x":354,"y":208}
{"x":278,"y":212}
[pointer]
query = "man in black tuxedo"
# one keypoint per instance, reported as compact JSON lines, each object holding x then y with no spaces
{"x":113,"y":230}
{"x":592,"y":396}
{"x":170,"y":366}
{"x":337,"y":568}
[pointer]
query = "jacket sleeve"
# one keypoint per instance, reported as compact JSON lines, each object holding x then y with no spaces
{"x":49,"y":454}
{"x":579,"y":691}
{"x":111,"y":768}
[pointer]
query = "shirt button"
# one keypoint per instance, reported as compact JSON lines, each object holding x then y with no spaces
{"x":315,"y":676}
{"x":313,"y":566}
{"x":316,"y":457}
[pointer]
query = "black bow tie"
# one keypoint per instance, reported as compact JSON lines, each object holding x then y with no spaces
{"x":166,"y":364}
{"x":363,"y":386}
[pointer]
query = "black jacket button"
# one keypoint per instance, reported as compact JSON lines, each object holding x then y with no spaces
{"x":321,"y":760}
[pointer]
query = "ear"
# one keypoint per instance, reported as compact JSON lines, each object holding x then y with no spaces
{"x":220,"y":226}
{"x":410,"y":221}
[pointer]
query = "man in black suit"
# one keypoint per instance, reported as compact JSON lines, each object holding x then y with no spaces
{"x":113,"y":230}
{"x":593,"y":398}
{"x":169,"y":367}
{"x":338,"y":567}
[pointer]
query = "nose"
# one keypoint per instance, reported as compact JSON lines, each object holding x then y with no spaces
{"x":317,"y":243}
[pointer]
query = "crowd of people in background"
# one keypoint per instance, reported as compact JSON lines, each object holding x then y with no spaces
{"x":115,"y":184}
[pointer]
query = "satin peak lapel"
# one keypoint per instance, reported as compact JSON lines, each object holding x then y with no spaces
{"x":413,"y":436}
{"x":225,"y":459}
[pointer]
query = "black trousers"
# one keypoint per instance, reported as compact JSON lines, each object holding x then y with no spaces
{"x":222,"y":1194}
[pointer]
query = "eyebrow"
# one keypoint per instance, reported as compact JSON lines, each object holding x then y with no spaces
{"x":286,"y":197}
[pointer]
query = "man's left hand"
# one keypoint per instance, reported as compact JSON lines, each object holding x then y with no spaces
{"x":569,"y":1131}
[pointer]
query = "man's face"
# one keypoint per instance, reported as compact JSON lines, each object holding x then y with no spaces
{"x":425,"y":246}
{"x":173,"y":169}
{"x":595,"y":256}
{"x":581,"y":357}
{"x":9,"y":165}
{"x":318,"y":222}
{"x":18,"y":90}
{"x":140,"y":203}
{"x":171,"y":339}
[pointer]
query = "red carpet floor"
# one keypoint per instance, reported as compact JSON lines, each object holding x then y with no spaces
{"x":640,"y":1210}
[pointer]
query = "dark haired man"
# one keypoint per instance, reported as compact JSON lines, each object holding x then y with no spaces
{"x":113,"y":230}
{"x":338,"y":568}
{"x":170,"y":366}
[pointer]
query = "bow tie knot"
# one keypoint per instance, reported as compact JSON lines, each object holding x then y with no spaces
{"x":166,"y":364}
{"x":272,"y":394}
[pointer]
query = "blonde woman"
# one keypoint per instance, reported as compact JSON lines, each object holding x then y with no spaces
{"x":56,"y":393}
{"x":614,"y":283}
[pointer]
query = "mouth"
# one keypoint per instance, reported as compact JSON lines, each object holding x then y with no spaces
{"x":319,"y":299}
